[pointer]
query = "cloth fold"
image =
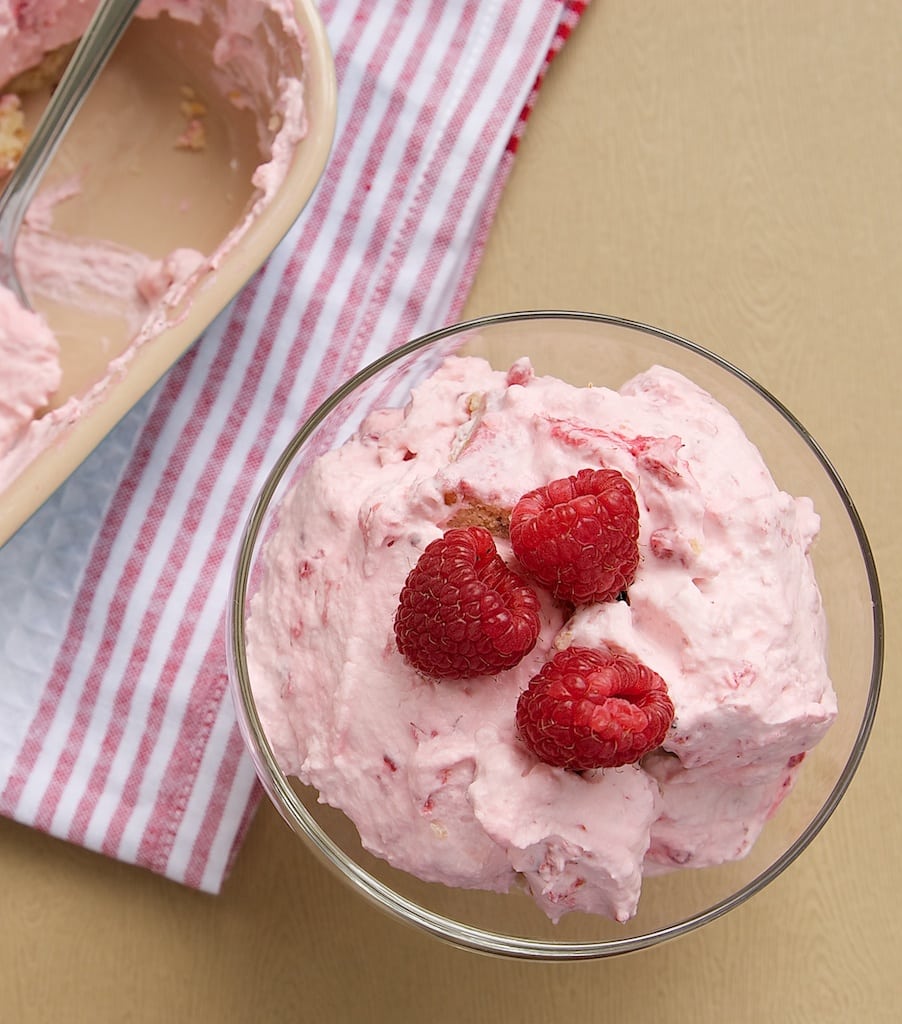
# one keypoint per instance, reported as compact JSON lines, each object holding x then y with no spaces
{"x":116,"y":727}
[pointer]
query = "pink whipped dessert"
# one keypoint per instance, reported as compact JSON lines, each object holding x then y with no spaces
{"x":36,"y":39}
{"x":724,"y":606}
{"x":29,"y":356}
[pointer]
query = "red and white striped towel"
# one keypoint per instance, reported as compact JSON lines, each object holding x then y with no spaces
{"x":116,"y":729}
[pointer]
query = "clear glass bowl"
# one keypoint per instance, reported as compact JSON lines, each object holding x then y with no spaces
{"x":585,"y":348}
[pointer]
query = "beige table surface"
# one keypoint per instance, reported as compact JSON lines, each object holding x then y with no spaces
{"x":731,"y":172}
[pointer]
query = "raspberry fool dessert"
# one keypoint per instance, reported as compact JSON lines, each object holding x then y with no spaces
{"x":528,"y":634}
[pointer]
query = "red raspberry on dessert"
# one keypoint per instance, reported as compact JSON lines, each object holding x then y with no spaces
{"x":593,"y":708}
{"x":578,"y":536}
{"x":462,"y":612}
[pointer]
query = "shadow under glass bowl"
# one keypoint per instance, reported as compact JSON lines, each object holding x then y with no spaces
{"x":584,"y":348}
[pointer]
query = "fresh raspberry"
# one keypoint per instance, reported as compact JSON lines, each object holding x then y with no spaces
{"x":579,"y":536}
{"x":462,"y":611}
{"x":593,"y":709}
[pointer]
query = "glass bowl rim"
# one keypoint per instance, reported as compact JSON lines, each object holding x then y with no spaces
{"x":378,"y":893}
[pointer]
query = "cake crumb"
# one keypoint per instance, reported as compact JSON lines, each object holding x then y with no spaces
{"x":12,"y":132}
{"x":494,"y":518}
{"x":45,"y":74}
{"x":194,"y":135}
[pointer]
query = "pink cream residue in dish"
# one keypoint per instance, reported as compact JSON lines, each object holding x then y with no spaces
{"x":97,"y":274}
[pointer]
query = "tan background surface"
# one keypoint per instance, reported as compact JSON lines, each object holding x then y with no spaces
{"x":733,"y":173}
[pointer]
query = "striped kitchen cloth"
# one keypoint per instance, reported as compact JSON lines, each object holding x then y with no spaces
{"x":116,"y":727}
